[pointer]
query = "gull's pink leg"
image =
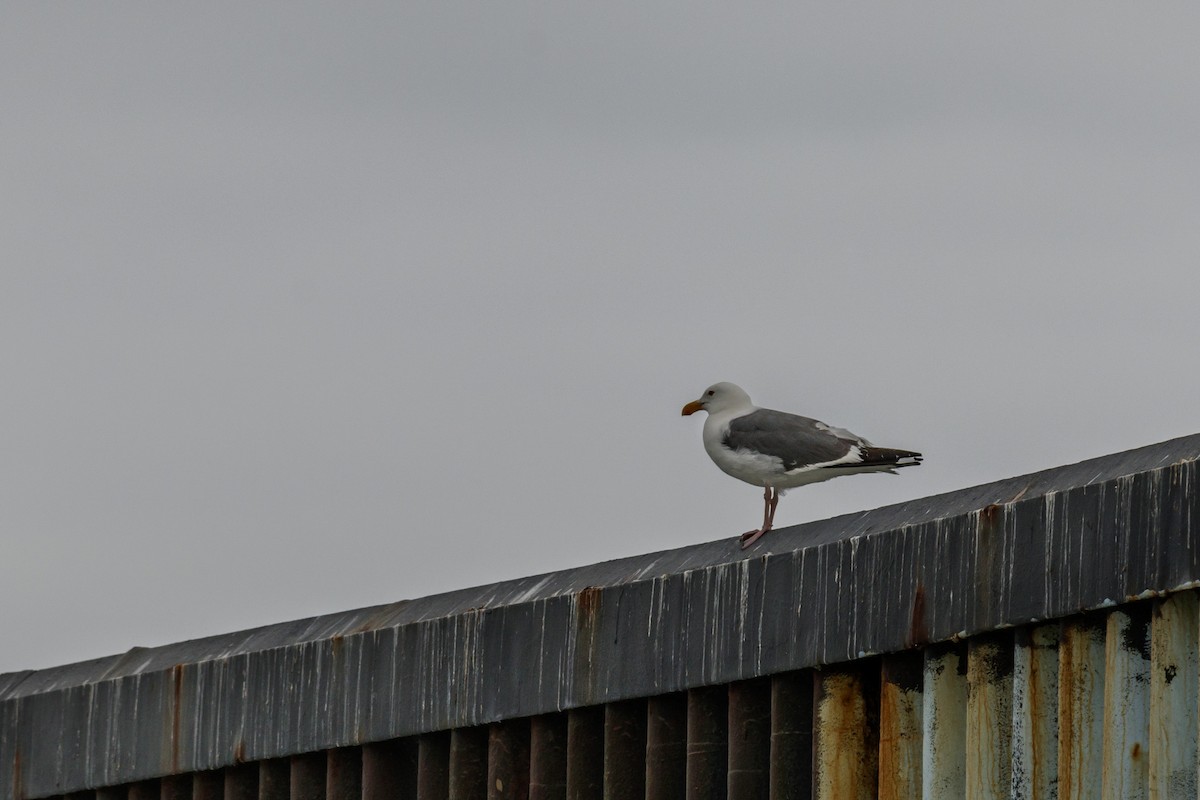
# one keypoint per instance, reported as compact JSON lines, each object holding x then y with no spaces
{"x":770,"y":498}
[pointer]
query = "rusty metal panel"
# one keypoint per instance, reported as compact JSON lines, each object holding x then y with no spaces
{"x":1174,"y":672}
{"x":750,"y":740}
{"x":1035,"y":713}
{"x":343,"y":774}
{"x":944,"y":723}
{"x":1081,"y":661}
{"x":791,"y":735}
{"x":274,"y":779}
{"x":845,"y":732}
{"x":585,"y":753}
{"x":707,"y":743}
{"x":666,"y":747}
{"x":468,"y":763}
{"x":900,"y":739}
{"x":1127,"y":704}
{"x":548,"y":757}
{"x":433,"y":766}
{"x":1035,"y":547}
{"x":625,"y":750}
{"x":389,"y":770}
{"x":989,"y":717}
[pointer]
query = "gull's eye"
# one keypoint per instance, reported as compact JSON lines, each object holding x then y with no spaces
{"x":709,"y":393}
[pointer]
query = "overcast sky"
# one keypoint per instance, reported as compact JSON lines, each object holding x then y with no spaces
{"x":305,"y":308}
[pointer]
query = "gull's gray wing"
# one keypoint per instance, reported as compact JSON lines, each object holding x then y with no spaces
{"x":796,"y":441}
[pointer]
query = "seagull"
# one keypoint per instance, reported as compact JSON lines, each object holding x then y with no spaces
{"x":779,"y":451}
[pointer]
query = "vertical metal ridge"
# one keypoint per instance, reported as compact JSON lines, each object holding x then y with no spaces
{"x":1173,"y":697}
{"x":343,"y":774}
{"x":707,"y":743}
{"x":625,"y":750}
{"x":750,"y":740}
{"x":791,"y":736}
{"x":900,"y":715}
{"x":508,"y":760}
{"x":548,"y":757}
{"x":845,"y":732}
{"x":468,"y":763}
{"x":1081,"y":708}
{"x":666,"y":747}
{"x":389,"y":769}
{"x":433,"y":766}
{"x":241,"y":782}
{"x":989,"y":716}
{"x":585,"y":753}
{"x":274,"y":777}
{"x":1125,"y":756}
{"x":1035,"y":713}
{"x":944,"y":723}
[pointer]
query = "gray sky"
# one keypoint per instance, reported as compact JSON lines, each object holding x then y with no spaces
{"x":305,"y":308}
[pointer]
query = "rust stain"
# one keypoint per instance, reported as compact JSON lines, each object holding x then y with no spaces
{"x":239,"y":752}
{"x":1136,"y":751}
{"x":918,"y":628}
{"x":587,"y":611}
{"x":18,"y":787}
{"x":990,"y":513}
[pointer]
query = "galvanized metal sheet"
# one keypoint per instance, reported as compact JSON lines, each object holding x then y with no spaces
{"x":989,"y":717}
{"x":1081,"y":663}
{"x":1127,"y":704}
{"x":1174,"y":673}
{"x":1035,"y":713}
{"x":944,"y":723}
{"x":901,"y":703}
{"x":845,"y":733}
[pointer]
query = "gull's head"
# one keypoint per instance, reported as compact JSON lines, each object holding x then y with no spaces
{"x":718,"y":397}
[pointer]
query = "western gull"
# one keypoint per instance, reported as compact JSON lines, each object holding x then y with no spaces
{"x":779,"y":451}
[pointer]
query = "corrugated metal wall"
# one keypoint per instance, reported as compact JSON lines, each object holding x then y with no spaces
{"x":1102,"y":706}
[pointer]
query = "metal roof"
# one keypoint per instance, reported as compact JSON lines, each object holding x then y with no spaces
{"x":1036,"y":547}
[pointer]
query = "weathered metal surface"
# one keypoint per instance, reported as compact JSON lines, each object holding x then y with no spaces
{"x":274,"y":777}
{"x":548,"y":757}
{"x":900,"y":740}
{"x":750,"y":739}
{"x":179,"y":787}
{"x":1126,"y":704}
{"x":1081,"y":677}
{"x":208,"y":785}
{"x":585,"y":753}
{"x":241,"y":783}
{"x":944,"y":723}
{"x":1035,"y":713}
{"x":989,"y":717}
{"x":666,"y":747}
{"x":791,"y":736}
{"x":389,"y":770}
{"x":343,"y":774}
{"x":707,"y":743}
{"x":1036,"y":547}
{"x":468,"y":763}
{"x":508,"y":760}
{"x":1174,"y":672}
{"x":625,"y":750}
{"x":845,"y":733}
{"x":433,"y":766}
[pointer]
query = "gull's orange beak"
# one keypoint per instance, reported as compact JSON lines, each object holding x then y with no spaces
{"x":692,"y":408}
